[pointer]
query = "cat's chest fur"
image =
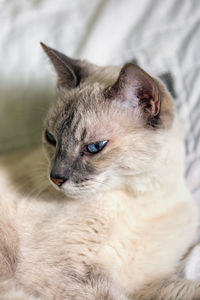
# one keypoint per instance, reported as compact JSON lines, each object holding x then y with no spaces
{"x":77,"y":238}
{"x":69,"y":239}
{"x":142,"y":248}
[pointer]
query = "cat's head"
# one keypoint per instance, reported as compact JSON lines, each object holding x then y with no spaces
{"x":105,"y":126}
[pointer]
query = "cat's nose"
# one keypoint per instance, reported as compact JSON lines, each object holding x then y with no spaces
{"x":58,"y":180}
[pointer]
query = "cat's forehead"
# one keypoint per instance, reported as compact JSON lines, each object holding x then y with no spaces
{"x":86,"y":99}
{"x":84,"y":106}
{"x":84,"y":114}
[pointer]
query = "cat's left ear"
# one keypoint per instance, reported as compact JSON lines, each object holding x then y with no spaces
{"x":70,"y":71}
{"x":135,"y":88}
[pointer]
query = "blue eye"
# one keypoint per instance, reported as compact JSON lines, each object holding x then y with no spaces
{"x":50,"y":138}
{"x":96,"y":147}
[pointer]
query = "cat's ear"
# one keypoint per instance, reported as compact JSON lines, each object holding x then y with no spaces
{"x":70,"y":71}
{"x":135,"y":88}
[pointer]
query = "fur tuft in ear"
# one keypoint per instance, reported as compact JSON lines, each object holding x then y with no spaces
{"x":137,"y":89}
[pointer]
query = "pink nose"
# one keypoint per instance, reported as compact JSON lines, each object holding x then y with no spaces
{"x":57,"y":181}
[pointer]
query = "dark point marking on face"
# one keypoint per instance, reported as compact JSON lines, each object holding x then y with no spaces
{"x":75,"y":126}
{"x":85,"y":167}
{"x":67,"y":122}
{"x":81,"y":171}
{"x":83,"y":135}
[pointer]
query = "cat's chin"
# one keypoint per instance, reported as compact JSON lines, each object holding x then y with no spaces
{"x":79,"y":194}
{"x":90,"y":190}
{"x":73,"y":191}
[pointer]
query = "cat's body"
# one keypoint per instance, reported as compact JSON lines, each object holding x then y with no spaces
{"x":106,"y":244}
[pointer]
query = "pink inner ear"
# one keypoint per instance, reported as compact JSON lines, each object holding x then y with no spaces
{"x":150,"y":105}
{"x":137,"y":88}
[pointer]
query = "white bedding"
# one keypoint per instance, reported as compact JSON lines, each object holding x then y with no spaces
{"x":162,"y":36}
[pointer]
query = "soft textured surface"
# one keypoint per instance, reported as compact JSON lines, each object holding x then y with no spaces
{"x":162,"y":36}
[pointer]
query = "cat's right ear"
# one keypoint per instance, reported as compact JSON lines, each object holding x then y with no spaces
{"x":70,"y":71}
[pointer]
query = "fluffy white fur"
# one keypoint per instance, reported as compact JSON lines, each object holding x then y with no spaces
{"x":136,"y":235}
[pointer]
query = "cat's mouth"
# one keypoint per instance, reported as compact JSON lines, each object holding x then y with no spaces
{"x":81,"y":188}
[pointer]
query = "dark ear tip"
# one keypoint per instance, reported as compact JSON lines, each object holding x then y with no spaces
{"x":42,"y":44}
{"x":45,"y":47}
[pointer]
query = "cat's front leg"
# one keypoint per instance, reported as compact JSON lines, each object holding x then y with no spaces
{"x":99,"y":286}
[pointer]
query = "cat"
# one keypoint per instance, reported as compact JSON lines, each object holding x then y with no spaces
{"x":102,"y":211}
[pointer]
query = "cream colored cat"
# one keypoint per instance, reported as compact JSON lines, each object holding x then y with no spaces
{"x":107,"y":215}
